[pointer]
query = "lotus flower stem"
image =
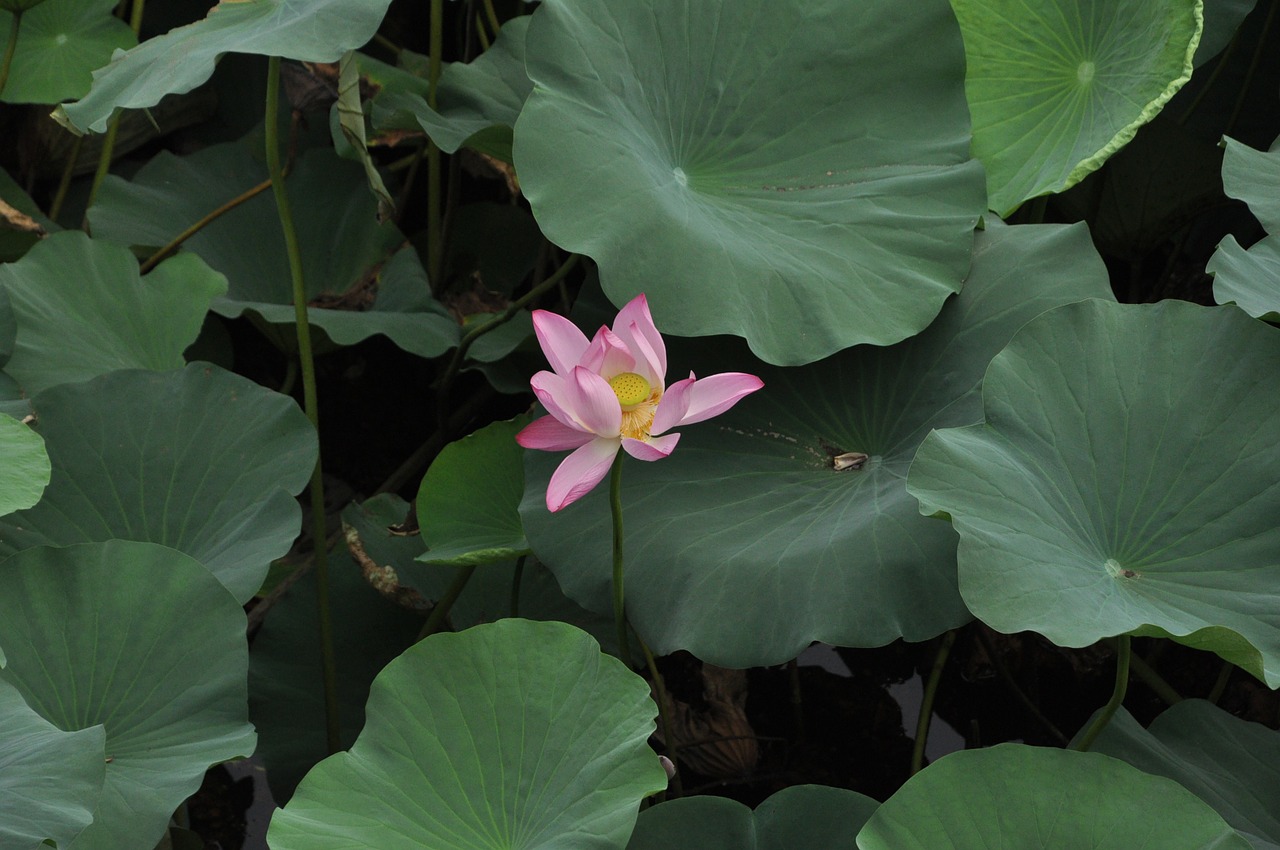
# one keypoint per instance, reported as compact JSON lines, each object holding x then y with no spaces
{"x":926,"y":702}
{"x":660,"y":687}
{"x":1124,"y":652}
{"x":308,"y":366}
{"x":492,"y":16}
{"x":619,"y":604}
{"x":9,"y":50}
{"x":68,"y":171}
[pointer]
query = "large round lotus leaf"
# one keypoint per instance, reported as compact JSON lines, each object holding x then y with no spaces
{"x":50,"y":780}
{"x":60,"y":43}
{"x":802,"y":817}
{"x":1124,"y":481}
{"x":25,"y":471}
{"x":1231,"y":764}
{"x":286,"y":693}
{"x":82,"y":310}
{"x":104,"y":634}
{"x":478,"y":101}
{"x":1251,"y":279}
{"x":1057,"y":86}
{"x":316,"y":31}
{"x":358,"y":281}
{"x":201,"y":460}
{"x":758,"y":168}
{"x":514,"y":734}
{"x":1017,"y":796}
{"x":469,"y":501}
{"x":751,"y":506}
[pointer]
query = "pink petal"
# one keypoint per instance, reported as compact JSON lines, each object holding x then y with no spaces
{"x":561,"y":341}
{"x":636,"y":313}
{"x":617,"y":356}
{"x":579,"y":472}
{"x":648,"y":363}
{"x":553,"y":391}
{"x":593,"y":357}
{"x":653,"y":449}
{"x":593,"y":403}
{"x":551,"y":435}
{"x":714,"y":395}
{"x":673,"y":407}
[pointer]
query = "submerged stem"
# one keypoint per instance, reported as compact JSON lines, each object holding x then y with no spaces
{"x":1124,"y":652}
{"x":308,"y":368}
{"x":619,"y":607}
{"x":926,"y":702}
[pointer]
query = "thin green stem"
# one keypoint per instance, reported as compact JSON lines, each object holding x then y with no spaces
{"x":619,"y":604}
{"x":468,"y":339}
{"x":175,"y":243}
{"x":1220,"y":686}
{"x":515,"y":586}
{"x":1124,"y":653}
{"x":492,"y":16}
{"x":485,"y":43}
{"x":442,"y":608}
{"x":68,"y":170}
{"x":926,"y":702}
{"x":109,"y":141}
{"x":1153,"y":680}
{"x":673,"y":751}
{"x":9,"y":49}
{"x":307,"y":363}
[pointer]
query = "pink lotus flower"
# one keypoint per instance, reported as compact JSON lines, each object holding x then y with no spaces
{"x":609,"y":393}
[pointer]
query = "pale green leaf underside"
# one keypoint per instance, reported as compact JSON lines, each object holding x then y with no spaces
{"x":50,"y":780}
{"x":1017,"y":796}
{"x":749,"y":506}
{"x":201,"y":460}
{"x":1057,"y":86}
{"x":802,"y":817}
{"x":180,"y":60}
{"x":757,"y":168}
{"x":25,"y":471}
{"x":1251,"y":279}
{"x":469,"y":501}
{"x":1231,"y":764}
{"x":60,"y":43}
{"x":169,"y":687}
{"x":514,"y":734}
{"x":1127,"y":480}
{"x":82,"y":310}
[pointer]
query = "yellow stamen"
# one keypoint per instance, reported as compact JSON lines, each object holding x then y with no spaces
{"x":630,"y":388}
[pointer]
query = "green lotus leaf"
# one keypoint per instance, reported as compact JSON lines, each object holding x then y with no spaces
{"x":82,"y":310}
{"x":1057,"y":86}
{"x":514,"y":734}
{"x":1231,"y":764}
{"x":50,"y":780}
{"x":750,"y":506}
{"x":169,"y":687}
{"x":286,"y":694}
{"x":15,"y":243}
{"x":802,"y":817}
{"x":1251,"y":279}
{"x":757,"y":168}
{"x":317,"y":31}
{"x":60,"y":43}
{"x":1013,"y":795}
{"x":25,"y":472}
{"x":469,"y":501}
{"x":201,"y":460}
{"x":1221,"y":20}
{"x":358,"y":281}
{"x":19,"y":5}
{"x":478,"y":101}
{"x":349,"y":110}
{"x":1124,"y":481}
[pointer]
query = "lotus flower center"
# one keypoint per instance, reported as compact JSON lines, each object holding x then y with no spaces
{"x":630,"y":388}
